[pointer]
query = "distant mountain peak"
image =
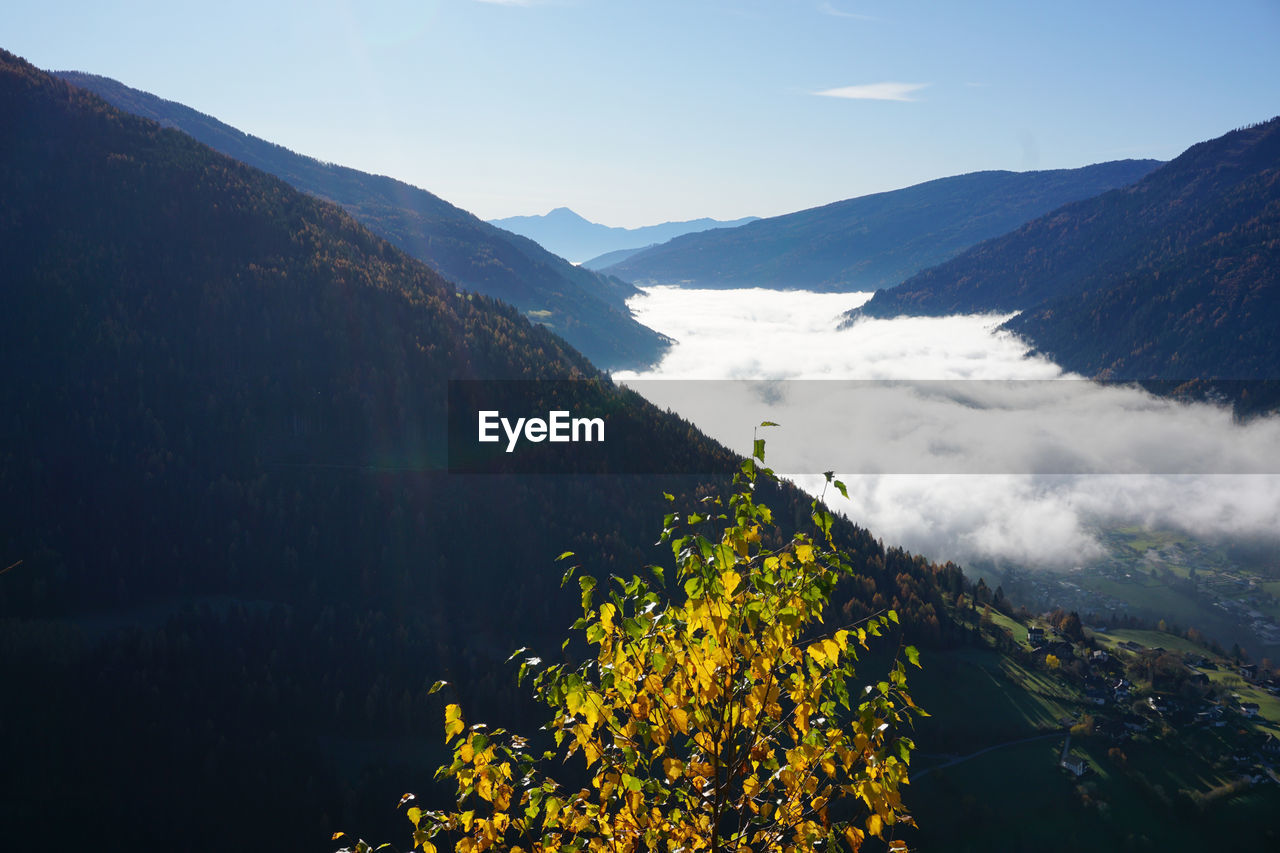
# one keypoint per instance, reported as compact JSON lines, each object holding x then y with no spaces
{"x":571,"y":235}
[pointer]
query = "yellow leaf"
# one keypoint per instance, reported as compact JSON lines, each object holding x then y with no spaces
{"x":804,"y":553}
{"x":502,"y":797}
{"x":673,"y":767}
{"x":453,"y":724}
{"x":818,"y":652}
{"x":680,"y":718}
{"x":874,"y":824}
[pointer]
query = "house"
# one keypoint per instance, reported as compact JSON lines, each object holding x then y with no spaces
{"x":1249,"y":671}
{"x":1075,"y":766}
{"x":1249,"y":709}
{"x":1271,"y":745}
{"x":1035,"y":636}
{"x":1134,"y":722}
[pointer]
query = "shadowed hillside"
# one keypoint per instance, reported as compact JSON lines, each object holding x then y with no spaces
{"x":584,"y":307}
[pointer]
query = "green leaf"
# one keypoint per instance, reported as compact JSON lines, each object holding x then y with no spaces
{"x":436,"y":687}
{"x":564,"y":555}
{"x":913,"y":655}
{"x":767,"y":423}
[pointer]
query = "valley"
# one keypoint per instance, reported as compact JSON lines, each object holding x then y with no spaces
{"x":1008,"y":337}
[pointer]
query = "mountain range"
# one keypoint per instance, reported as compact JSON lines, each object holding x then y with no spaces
{"x":233,"y":559}
{"x":874,"y":241}
{"x":571,"y":236}
{"x":586,"y":308}
{"x":1176,"y":277}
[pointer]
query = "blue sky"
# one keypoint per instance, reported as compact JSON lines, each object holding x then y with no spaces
{"x":637,"y":111}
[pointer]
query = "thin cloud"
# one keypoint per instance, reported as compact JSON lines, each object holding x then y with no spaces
{"x":828,"y":9}
{"x":875,"y":91}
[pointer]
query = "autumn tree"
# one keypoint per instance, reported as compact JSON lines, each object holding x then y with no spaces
{"x":723,"y":716}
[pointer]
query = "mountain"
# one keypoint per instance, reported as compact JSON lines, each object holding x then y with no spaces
{"x":566,"y":233}
{"x":875,"y":241}
{"x":584,"y":307}
{"x":231,"y":559}
{"x":1176,"y":277}
{"x":617,"y":256}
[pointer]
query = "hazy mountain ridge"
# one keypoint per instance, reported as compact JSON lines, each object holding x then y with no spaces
{"x":874,"y":241}
{"x":1176,"y":277}
{"x":572,"y":236}
{"x":585,"y":307}
{"x":608,"y":259}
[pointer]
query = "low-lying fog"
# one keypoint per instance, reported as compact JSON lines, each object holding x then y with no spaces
{"x":1013,"y":467}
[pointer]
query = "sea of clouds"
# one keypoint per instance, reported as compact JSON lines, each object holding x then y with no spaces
{"x":952,"y":439}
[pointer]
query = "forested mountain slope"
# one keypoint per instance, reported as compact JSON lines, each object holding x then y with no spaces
{"x":231,"y":560}
{"x":1175,"y":278}
{"x":584,"y":307}
{"x":874,"y":241}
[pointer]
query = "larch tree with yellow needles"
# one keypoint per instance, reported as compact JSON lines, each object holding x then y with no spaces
{"x":728,"y":717}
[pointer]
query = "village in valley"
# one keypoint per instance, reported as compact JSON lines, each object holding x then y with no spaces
{"x":1117,"y":721}
{"x":1227,"y":596}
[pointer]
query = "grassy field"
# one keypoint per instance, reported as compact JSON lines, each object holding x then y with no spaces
{"x":1017,"y":798}
{"x":1149,"y":639}
{"x":1001,"y":701}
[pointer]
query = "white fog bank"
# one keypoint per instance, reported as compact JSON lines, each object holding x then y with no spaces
{"x":954,"y":468}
